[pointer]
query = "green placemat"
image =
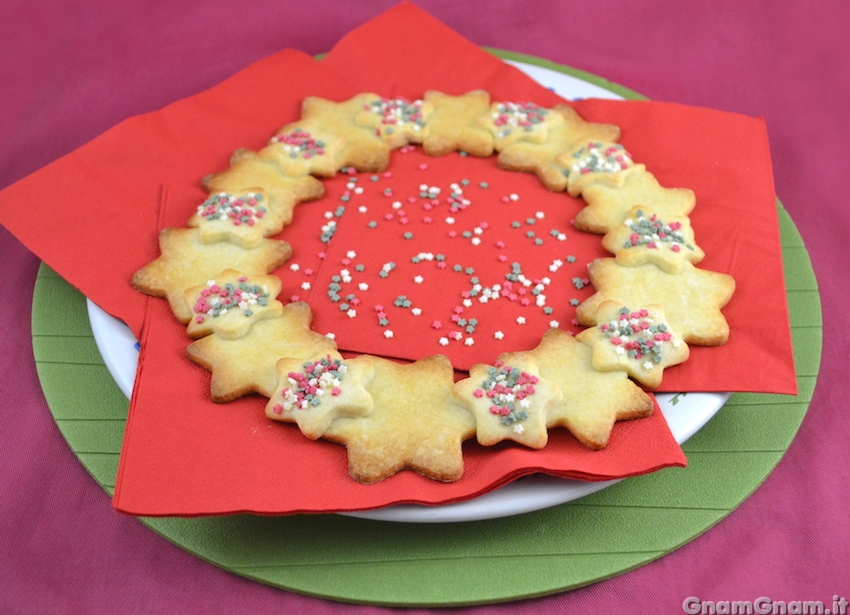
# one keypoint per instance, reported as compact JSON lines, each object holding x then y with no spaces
{"x":357,"y":560}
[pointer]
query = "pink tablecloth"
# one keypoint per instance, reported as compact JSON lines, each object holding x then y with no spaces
{"x":67,"y":74}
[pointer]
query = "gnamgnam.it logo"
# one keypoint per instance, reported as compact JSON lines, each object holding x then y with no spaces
{"x":764,"y":606}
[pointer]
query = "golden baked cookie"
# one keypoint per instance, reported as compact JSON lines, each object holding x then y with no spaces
{"x":692,"y":298}
{"x":247,"y":365}
{"x":510,"y":401}
{"x":591,"y":401}
{"x":453,"y":124}
{"x":415,"y":424}
{"x":638,"y":342}
{"x":185,"y":261}
{"x":645,"y":237}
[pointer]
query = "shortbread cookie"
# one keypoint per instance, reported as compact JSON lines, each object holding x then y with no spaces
{"x":362,"y":148}
{"x":414,"y":425}
{"x":645,"y":237}
{"x":303,"y":148}
{"x":247,"y":365}
{"x":692,"y":298}
{"x":243,"y":218}
{"x":249,"y":171}
{"x":510,"y":122}
{"x":541,"y":158}
{"x":638,"y":342}
{"x":607,"y":206}
{"x":397,"y":121}
{"x":231,"y":302}
{"x":597,"y":162}
{"x":510,"y":401}
{"x":453,"y":124}
{"x":591,"y":401}
{"x":313,"y":394}
{"x":185,"y":261}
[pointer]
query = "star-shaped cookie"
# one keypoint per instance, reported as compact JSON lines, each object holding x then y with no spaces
{"x":362,"y":148}
{"x":692,"y":299}
{"x":185,"y":261}
{"x":315,"y":393}
{"x":453,"y":124}
{"x":540,"y":158}
{"x":638,"y":342}
{"x":608,"y":206}
{"x":243,"y":218}
{"x":510,"y":122}
{"x":247,"y":365}
{"x":414,"y":425}
{"x":303,"y":148}
{"x":397,"y":121}
{"x":645,"y":237}
{"x":231,"y":302}
{"x":591,"y":401}
{"x":510,"y":401}
{"x":249,"y":171}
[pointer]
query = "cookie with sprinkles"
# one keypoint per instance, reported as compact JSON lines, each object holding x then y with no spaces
{"x":692,"y":299}
{"x":243,"y":218}
{"x":597,"y":162}
{"x":541,"y":158}
{"x":645,"y":237}
{"x":510,"y":122}
{"x":510,"y":401}
{"x":303,"y":148}
{"x":591,"y":401}
{"x":185,"y":261}
{"x":315,"y":393}
{"x":362,"y":148}
{"x":229,"y":304}
{"x":415,"y":424}
{"x":397,"y":121}
{"x":249,"y":171}
{"x":638,"y":342}
{"x":608,"y":205}
{"x":247,"y":364}
{"x":453,"y":124}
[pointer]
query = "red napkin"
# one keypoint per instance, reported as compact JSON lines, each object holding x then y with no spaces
{"x":184,"y":455}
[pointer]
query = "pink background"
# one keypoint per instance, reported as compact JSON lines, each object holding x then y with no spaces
{"x":67,"y":74}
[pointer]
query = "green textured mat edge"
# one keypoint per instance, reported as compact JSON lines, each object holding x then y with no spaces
{"x":538,"y":553}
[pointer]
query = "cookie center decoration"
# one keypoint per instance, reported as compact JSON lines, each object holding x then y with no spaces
{"x":320,"y":378}
{"x":508,"y":389}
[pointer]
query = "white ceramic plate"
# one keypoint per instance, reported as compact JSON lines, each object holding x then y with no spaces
{"x":685,"y":413}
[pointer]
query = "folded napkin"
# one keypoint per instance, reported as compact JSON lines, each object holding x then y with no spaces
{"x":100,"y":209}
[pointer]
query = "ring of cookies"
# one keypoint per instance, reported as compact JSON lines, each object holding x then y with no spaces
{"x":651,"y":299}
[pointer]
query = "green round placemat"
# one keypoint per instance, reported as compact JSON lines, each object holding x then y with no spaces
{"x":403,"y":564}
{"x":357,"y":560}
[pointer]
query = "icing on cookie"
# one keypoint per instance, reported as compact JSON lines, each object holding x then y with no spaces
{"x":654,"y":233}
{"x":320,"y":378}
{"x":638,"y":336}
{"x":508,"y":389}
{"x":216,"y":300}
{"x":300,"y":143}
{"x":596,"y":157}
{"x":237,"y":210}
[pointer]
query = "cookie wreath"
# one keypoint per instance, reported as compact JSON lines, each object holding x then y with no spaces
{"x":391,"y":416}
